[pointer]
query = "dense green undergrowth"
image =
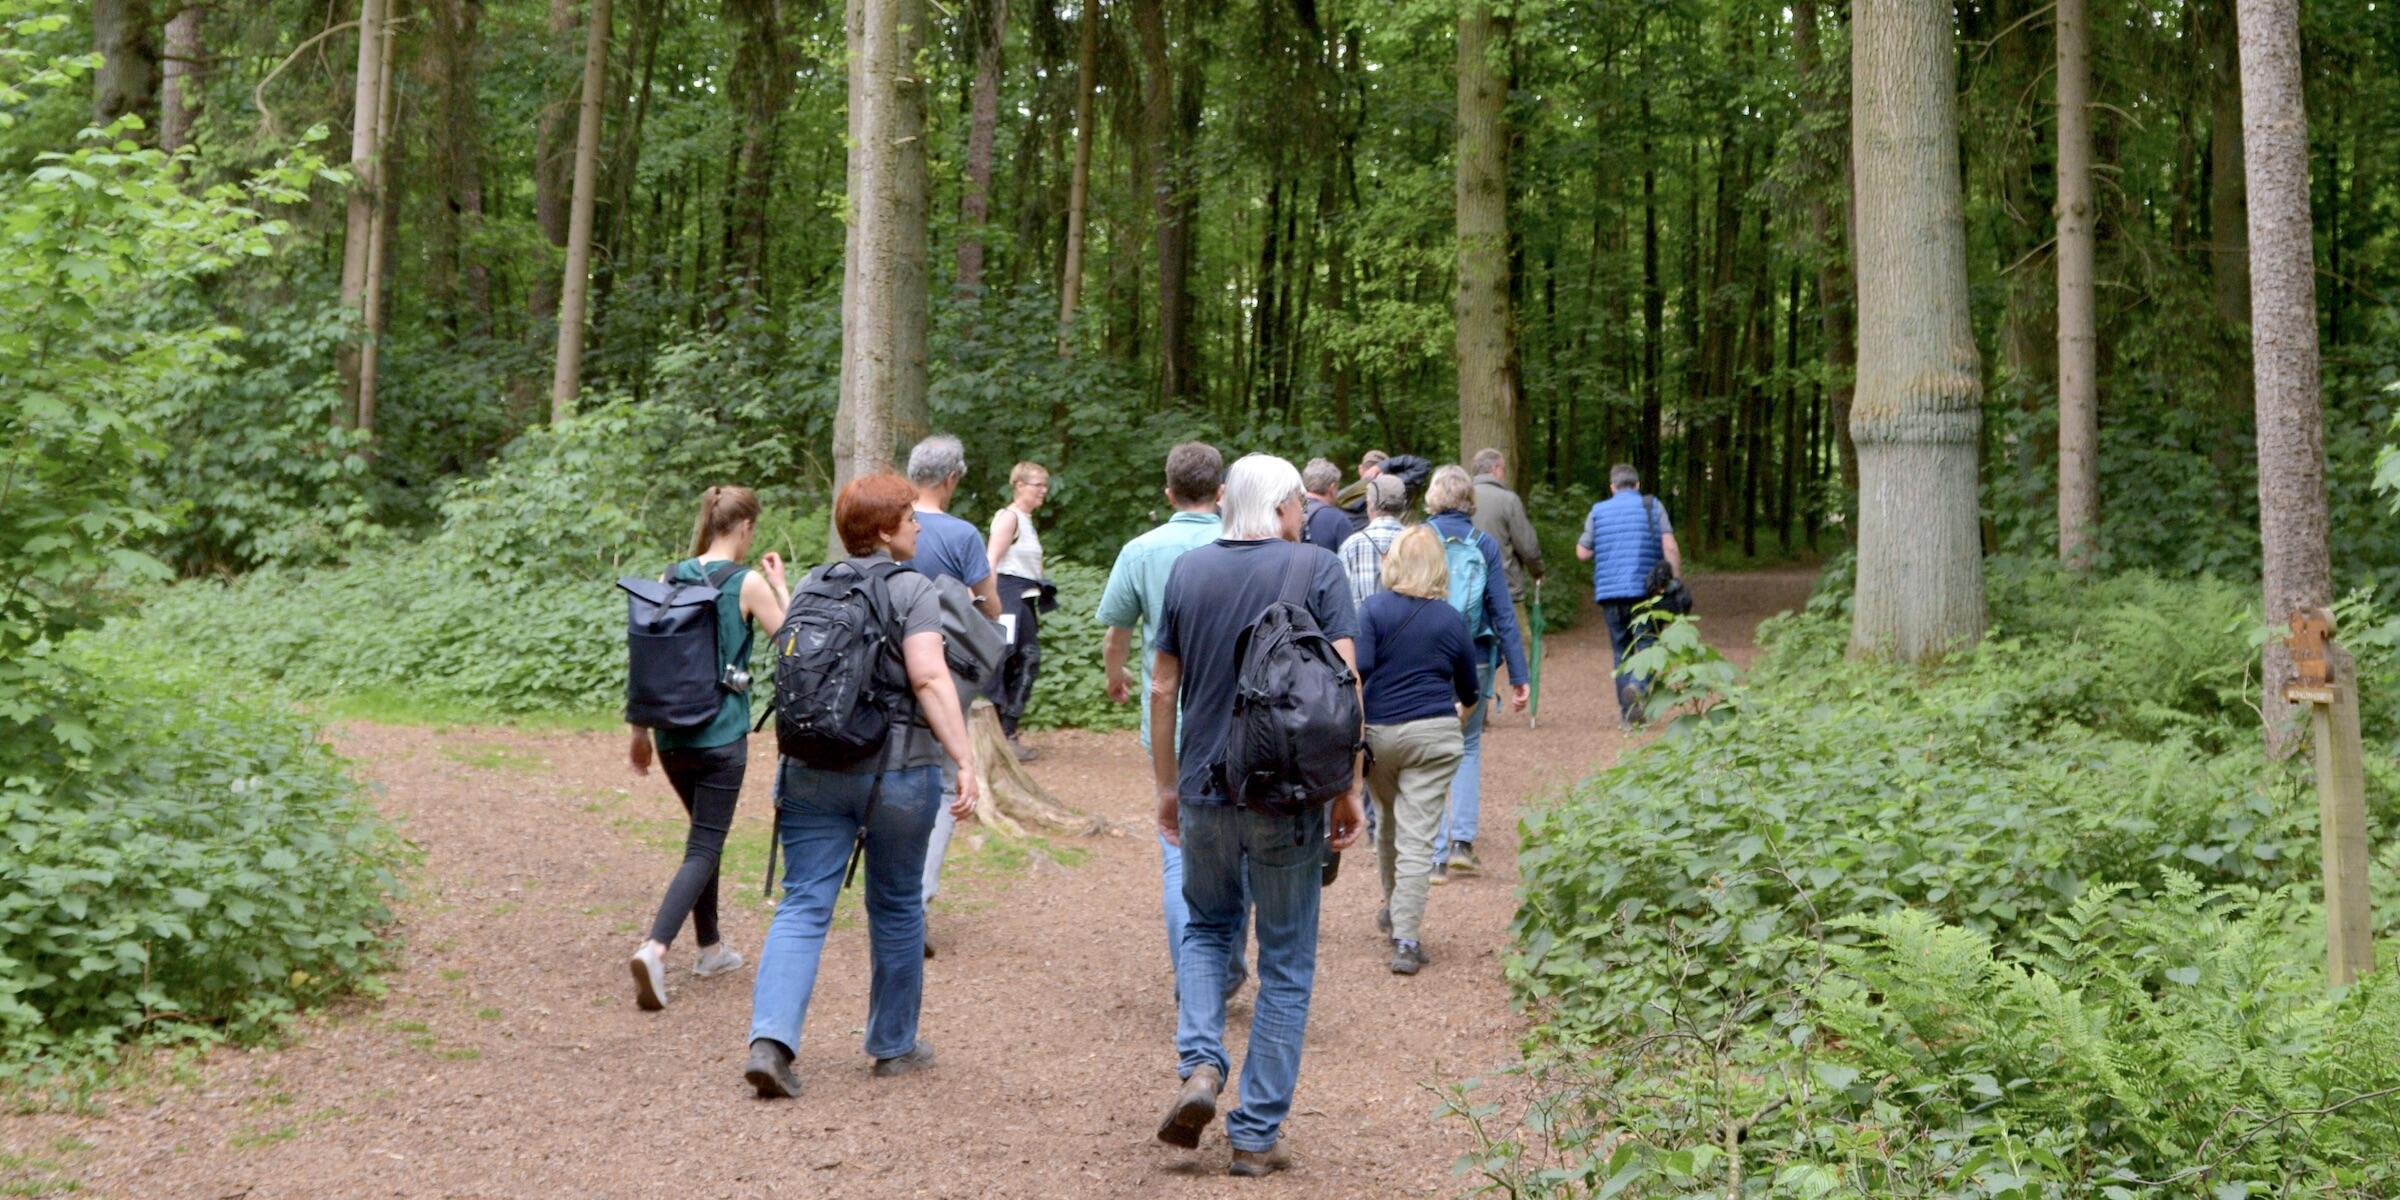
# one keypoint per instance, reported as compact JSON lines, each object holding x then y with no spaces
{"x":187,"y":863}
{"x":510,"y":610}
{"x":2035,"y":923}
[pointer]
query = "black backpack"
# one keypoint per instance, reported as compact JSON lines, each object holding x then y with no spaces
{"x":839,"y":682}
{"x":673,"y":678}
{"x":1296,"y":729}
{"x":1663,"y":585}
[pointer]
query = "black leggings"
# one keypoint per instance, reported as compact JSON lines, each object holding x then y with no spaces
{"x":709,"y":782}
{"x":1012,"y":685}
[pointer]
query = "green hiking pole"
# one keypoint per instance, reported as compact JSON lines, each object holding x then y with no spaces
{"x":1533,"y":617}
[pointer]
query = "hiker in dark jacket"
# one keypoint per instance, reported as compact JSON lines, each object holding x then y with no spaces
{"x":1213,"y":594}
{"x":1418,"y":665}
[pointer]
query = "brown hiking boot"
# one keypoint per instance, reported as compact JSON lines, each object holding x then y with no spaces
{"x":1462,"y":859}
{"x":1195,"y":1106}
{"x":1253,"y":1164}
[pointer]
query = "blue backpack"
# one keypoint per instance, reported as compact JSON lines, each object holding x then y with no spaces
{"x":672,"y":662}
{"x":1468,"y":577}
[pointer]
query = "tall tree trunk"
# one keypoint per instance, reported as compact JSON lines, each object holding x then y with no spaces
{"x":990,"y":22}
{"x":763,"y":73}
{"x":1787,"y":486}
{"x":1170,"y":229}
{"x":1834,"y":299}
{"x":460,"y":279}
{"x":883,"y":277}
{"x":378,"y":238}
{"x":359,"y":230}
{"x":566,"y":376}
{"x":179,"y":88}
{"x":2292,"y":521}
{"x":1079,"y":187}
{"x":2228,"y":224}
{"x":553,"y":166}
{"x":2078,"y":322}
{"x":1918,"y":412}
{"x":126,"y":38}
{"x":1487,"y":400}
{"x":1654,"y":317}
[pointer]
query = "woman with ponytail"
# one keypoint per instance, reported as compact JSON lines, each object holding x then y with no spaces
{"x":705,"y":764}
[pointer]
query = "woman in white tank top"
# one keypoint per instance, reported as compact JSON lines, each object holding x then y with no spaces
{"x":1015,"y":551}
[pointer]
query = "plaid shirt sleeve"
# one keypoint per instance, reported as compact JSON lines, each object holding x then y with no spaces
{"x":1363,"y":565}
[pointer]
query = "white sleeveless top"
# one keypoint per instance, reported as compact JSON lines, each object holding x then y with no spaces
{"x":1024,"y":557}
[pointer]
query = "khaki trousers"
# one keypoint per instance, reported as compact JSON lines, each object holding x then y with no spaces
{"x":1412,"y":763}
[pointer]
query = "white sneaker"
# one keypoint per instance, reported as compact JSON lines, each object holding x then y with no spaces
{"x":649,"y":979}
{"x":716,"y":960}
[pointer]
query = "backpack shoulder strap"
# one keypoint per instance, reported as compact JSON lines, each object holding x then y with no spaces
{"x":1296,"y":578}
{"x":1650,"y":513}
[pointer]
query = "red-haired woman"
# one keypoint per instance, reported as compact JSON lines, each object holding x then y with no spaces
{"x":891,"y":797}
{"x":705,"y":764}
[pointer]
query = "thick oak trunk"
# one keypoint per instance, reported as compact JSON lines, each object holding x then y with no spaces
{"x":883,"y":276}
{"x":1917,"y":413}
{"x":1487,"y":400}
{"x":126,"y":38}
{"x":2292,"y":521}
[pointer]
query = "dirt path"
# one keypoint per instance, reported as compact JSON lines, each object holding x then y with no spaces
{"x":508,"y":1060}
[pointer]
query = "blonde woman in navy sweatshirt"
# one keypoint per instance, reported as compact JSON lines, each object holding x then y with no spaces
{"x":1418,"y":664}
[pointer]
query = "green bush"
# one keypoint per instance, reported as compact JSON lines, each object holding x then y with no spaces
{"x":2022,"y":925}
{"x":1072,"y":691}
{"x":204,"y":865}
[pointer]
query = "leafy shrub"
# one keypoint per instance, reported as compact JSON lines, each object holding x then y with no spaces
{"x":1072,"y":691}
{"x":2023,"y":925}
{"x":2176,"y":1043}
{"x":203,"y":864}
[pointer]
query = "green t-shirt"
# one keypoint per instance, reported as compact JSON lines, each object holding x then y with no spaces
{"x":732,"y":722}
{"x":1137,"y":586}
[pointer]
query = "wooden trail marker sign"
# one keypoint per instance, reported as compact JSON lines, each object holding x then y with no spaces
{"x":2325,"y":682}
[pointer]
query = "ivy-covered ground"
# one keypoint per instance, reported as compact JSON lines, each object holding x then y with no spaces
{"x":506,"y":1057}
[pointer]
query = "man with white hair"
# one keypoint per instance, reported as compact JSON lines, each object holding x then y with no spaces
{"x":948,"y":546}
{"x":1215,"y":593}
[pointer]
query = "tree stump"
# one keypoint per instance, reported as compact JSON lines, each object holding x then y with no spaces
{"x":1012,"y":798}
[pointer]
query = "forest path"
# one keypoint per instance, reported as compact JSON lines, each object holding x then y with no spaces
{"x":509,"y":1061}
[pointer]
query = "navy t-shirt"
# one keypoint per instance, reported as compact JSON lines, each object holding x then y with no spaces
{"x":1327,"y":525}
{"x":1213,"y":594}
{"x":1415,"y":658}
{"x":949,"y":546}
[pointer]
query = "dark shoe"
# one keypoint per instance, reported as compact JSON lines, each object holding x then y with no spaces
{"x":1383,"y":921}
{"x":770,"y":1070}
{"x":1441,"y":874}
{"x":1195,"y":1106}
{"x":1024,"y":752}
{"x":919,"y":1057}
{"x":1254,"y":1164}
{"x":929,"y":947}
{"x":1406,"y":957}
{"x":1462,"y":859}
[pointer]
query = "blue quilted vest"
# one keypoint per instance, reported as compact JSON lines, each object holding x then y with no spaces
{"x":1623,"y":546}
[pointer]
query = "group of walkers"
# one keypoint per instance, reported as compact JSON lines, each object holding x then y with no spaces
{"x":1410,"y":619}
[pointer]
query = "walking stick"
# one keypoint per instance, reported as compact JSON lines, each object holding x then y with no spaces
{"x":1533,"y":710}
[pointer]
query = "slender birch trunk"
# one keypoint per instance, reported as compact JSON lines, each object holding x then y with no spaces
{"x":2078,"y":332}
{"x":566,"y":376}
{"x":360,"y":228}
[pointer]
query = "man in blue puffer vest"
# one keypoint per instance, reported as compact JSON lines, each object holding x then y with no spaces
{"x":1625,"y":537}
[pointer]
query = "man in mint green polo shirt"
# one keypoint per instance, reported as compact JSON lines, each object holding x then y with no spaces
{"x":1136,"y":591}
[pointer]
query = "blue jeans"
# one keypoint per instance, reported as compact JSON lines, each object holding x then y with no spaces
{"x":1285,"y":860}
{"x":1170,"y":902}
{"x":817,"y":819}
{"x":1627,"y":638}
{"x":1466,"y":787}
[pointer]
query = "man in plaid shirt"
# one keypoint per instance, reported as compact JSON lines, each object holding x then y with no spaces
{"x":1362,"y":552}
